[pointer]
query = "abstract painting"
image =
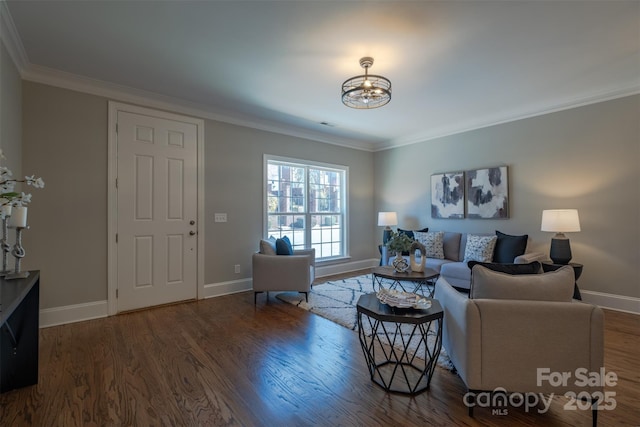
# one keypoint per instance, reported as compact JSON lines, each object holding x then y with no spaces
{"x":487,"y":193}
{"x":447,"y":195}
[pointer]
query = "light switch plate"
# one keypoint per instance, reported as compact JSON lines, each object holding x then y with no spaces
{"x":220,"y":217}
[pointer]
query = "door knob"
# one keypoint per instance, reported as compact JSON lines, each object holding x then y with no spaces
{"x":192,"y":233}
{"x":192,"y":222}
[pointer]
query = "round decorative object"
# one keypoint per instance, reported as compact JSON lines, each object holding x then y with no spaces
{"x":417,"y":266}
{"x":400,"y":264}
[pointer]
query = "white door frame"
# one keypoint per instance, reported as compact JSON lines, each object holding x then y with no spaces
{"x":112,"y":199}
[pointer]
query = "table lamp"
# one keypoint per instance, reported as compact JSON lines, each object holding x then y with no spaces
{"x":560,"y":221}
{"x":387,"y":219}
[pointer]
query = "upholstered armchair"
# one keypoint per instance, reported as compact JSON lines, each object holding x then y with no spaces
{"x":511,"y":326}
{"x":283,"y":272}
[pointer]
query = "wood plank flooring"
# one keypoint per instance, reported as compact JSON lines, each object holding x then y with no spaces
{"x":225,"y":362}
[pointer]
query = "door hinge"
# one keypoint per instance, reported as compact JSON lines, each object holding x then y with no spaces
{"x":116,"y":237}
{"x":116,"y":182}
{"x":116,"y":128}
{"x":116,"y":293}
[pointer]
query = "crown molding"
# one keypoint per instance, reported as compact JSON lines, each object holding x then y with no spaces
{"x":594,"y":98}
{"x":65,"y":80}
{"x":11,"y":38}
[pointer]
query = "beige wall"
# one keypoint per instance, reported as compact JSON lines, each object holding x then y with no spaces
{"x":65,"y":141}
{"x":234,"y":177}
{"x":586,"y":158}
{"x":10,"y":112}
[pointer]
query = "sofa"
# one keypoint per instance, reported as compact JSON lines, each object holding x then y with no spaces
{"x":449,"y":260}
{"x":509,"y":327}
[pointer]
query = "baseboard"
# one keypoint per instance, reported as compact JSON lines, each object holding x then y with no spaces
{"x":612,"y":301}
{"x":72,"y":313}
{"x":226,"y":288}
{"x":347,"y":267}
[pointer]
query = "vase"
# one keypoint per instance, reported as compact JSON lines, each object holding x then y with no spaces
{"x":400,"y":264}
{"x":417,"y":266}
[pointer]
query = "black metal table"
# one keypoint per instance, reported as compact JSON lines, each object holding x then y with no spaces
{"x":420,"y":280}
{"x":395,"y":343}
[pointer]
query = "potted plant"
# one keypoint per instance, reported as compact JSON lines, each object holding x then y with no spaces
{"x":399,"y":243}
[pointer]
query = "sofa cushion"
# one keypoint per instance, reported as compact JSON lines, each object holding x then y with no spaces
{"x":451,"y":245}
{"x":509,"y":247}
{"x":456,"y":270}
{"x":553,"y":286}
{"x":283,"y":246}
{"x":268,"y":247}
{"x":531,"y":268}
{"x":479,"y":248}
{"x":437,"y":264}
{"x":433,"y":243}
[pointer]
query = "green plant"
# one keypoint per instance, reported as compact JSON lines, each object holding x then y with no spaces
{"x":399,"y":242}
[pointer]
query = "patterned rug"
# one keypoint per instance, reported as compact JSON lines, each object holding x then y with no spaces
{"x":336,"y":300}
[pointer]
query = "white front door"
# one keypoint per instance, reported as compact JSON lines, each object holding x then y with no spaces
{"x":156,"y":211}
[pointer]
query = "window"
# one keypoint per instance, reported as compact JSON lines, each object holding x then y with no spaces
{"x":307,"y":202}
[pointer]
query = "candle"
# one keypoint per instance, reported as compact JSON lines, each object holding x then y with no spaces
{"x":19,"y":217}
{"x":6,"y":208}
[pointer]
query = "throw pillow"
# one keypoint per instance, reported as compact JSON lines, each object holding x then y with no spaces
{"x":410,"y":232}
{"x":433,"y":243}
{"x":509,"y":247}
{"x":553,"y":286}
{"x":530,"y":268}
{"x":268,"y":247}
{"x":479,"y":248}
{"x":283,"y":246}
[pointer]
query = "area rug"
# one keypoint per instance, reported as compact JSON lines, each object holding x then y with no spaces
{"x":336,"y":300}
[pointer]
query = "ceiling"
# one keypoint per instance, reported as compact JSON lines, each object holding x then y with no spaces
{"x":278,"y":65}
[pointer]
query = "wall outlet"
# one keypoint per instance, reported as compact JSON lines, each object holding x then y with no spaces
{"x":236,"y":268}
{"x":220,"y":217}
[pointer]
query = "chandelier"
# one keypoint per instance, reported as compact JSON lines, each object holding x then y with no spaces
{"x":366,"y":91}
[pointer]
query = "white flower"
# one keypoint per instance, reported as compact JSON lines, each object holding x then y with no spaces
{"x":8,"y":196}
{"x":36,"y":182}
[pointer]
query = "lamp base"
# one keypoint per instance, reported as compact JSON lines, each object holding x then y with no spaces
{"x":560,"y":251}
{"x":386,"y":235}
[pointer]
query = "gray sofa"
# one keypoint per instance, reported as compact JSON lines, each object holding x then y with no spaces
{"x":452,"y":267}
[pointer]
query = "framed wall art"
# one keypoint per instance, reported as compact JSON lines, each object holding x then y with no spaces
{"x":447,"y":195}
{"x":487,"y":193}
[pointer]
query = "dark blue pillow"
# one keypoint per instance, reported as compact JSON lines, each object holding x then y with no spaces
{"x":509,"y":247}
{"x":514,"y":269}
{"x":283,"y":246}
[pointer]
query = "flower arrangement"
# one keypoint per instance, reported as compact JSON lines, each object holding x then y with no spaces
{"x":8,"y":196}
{"x":399,"y":242}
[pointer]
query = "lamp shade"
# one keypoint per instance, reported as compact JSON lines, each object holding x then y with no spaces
{"x":560,"y":220}
{"x":387,"y":218}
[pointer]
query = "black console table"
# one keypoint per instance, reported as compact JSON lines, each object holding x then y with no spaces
{"x":19,"y":322}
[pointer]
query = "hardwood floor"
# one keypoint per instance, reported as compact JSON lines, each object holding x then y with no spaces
{"x":224,"y":361}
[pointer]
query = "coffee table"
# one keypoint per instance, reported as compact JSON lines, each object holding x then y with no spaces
{"x":386,"y":275}
{"x":396,"y":346}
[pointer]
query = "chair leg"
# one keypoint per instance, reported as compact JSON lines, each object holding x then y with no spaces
{"x":306,"y":296}
{"x":472,"y":402}
{"x":594,"y":412}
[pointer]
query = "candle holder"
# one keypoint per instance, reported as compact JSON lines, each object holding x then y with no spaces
{"x":4,"y":245}
{"x":18,"y":252}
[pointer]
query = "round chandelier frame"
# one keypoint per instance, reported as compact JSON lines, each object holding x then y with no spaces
{"x":366,"y":91}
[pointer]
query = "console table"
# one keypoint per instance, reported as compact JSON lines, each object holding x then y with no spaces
{"x":19,"y":322}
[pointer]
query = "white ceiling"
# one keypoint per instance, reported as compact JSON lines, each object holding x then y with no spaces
{"x":278,"y":65}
